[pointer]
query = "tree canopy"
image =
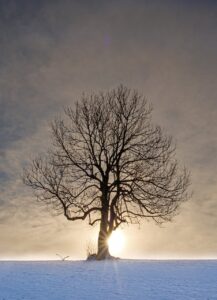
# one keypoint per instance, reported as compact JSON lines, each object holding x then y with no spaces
{"x":109,"y":164}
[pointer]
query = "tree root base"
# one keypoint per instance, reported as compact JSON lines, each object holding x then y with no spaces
{"x":94,"y":257}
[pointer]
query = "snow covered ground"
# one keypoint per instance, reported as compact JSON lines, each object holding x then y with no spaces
{"x":123,"y":279}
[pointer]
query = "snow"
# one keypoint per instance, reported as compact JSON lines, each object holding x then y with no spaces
{"x":109,"y":280}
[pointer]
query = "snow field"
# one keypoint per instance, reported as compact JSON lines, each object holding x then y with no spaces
{"x":109,"y":280}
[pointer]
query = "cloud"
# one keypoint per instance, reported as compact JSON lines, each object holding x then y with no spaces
{"x":52,"y":51}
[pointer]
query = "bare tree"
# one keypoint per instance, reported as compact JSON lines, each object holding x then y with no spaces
{"x":110,"y":165}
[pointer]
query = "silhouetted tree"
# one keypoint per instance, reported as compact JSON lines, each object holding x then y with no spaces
{"x":110,"y":165}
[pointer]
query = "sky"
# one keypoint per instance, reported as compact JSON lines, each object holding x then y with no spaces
{"x":53,"y":51}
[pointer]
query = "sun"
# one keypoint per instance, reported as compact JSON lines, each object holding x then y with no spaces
{"x":116,"y":242}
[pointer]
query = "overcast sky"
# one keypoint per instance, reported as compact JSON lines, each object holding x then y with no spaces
{"x":51,"y":52}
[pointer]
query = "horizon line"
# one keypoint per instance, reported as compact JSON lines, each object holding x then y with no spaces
{"x":119,"y":259}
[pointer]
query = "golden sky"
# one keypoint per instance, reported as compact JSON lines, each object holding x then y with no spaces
{"x":51,"y":52}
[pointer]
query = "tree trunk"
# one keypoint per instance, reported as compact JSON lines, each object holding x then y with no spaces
{"x":103,"y":249}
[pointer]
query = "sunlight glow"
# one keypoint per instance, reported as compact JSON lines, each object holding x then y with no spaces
{"x":116,"y":243}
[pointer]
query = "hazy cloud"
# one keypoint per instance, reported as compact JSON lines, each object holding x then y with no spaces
{"x":52,"y":51}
